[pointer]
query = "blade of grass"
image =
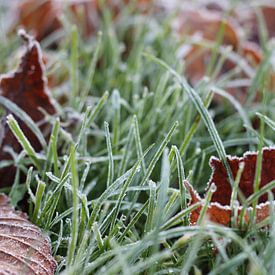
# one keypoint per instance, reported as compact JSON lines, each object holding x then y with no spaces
{"x":202,"y":110}
{"x":22,"y":139}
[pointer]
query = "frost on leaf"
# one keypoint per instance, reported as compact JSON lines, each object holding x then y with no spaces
{"x":27,"y":88}
{"x":219,"y":175}
{"x":24,"y":249}
{"x":219,"y":210}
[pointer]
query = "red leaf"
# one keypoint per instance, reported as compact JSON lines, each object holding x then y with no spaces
{"x":218,"y":210}
{"x":215,"y":212}
{"x":219,"y":175}
{"x":24,"y":249}
{"x":27,"y":88}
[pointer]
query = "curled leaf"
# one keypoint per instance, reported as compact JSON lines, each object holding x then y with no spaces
{"x":26,"y":88}
{"x":219,"y":210}
{"x":24,"y":249}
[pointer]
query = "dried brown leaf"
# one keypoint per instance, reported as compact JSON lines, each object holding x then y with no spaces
{"x":27,"y":88}
{"x":205,"y":24}
{"x":40,"y":17}
{"x":24,"y":249}
{"x":43,"y":17}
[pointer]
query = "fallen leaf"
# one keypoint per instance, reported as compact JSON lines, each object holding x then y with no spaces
{"x":219,"y":175}
{"x":215,"y":212}
{"x":40,"y":17}
{"x":199,"y":25}
{"x":85,"y":15}
{"x":24,"y":249}
{"x":43,"y":17}
{"x":269,"y":18}
{"x":27,"y":88}
{"x":204,"y":24}
{"x":247,"y":17}
{"x":207,"y":24}
{"x":252,"y":53}
{"x":219,"y":210}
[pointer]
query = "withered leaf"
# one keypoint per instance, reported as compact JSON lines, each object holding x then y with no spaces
{"x":27,"y":88}
{"x":215,"y":212}
{"x":247,"y":17}
{"x":43,"y":17}
{"x":40,"y":17}
{"x":24,"y":249}
{"x":205,"y":24}
{"x":219,"y":210}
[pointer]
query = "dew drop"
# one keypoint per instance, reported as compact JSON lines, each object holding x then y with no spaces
{"x":241,"y":165}
{"x":138,"y":169}
{"x":213,"y":188}
{"x":236,"y":204}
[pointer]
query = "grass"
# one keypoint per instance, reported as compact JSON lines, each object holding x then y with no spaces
{"x":108,"y":185}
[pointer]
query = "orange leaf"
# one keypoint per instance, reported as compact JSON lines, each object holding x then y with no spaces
{"x":24,"y":249}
